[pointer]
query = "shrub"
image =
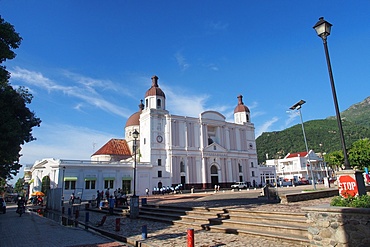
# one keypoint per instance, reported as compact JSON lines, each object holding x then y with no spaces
{"x":354,"y":202}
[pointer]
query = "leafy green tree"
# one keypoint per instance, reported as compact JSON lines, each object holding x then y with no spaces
{"x":19,"y":186}
{"x":16,"y":120}
{"x":359,"y":154}
{"x":334,"y":159}
{"x":9,"y":40}
{"x":2,"y":186}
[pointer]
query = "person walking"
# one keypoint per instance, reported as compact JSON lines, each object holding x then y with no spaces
{"x":98,"y":199}
{"x":107,"y":194}
{"x":111,"y":203}
{"x":147,"y":191}
{"x":72,"y":199}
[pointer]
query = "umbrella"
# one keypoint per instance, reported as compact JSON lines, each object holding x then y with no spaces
{"x":37,"y":193}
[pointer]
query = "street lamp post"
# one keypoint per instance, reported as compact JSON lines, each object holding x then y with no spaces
{"x":62,"y":193}
{"x":348,"y":175}
{"x":323,"y":29}
{"x":298,"y":106}
{"x":134,"y":200}
{"x":135,"y":134}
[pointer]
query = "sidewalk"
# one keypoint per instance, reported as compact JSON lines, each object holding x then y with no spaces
{"x":31,"y":230}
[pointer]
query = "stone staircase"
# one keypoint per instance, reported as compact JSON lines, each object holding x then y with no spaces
{"x":283,"y":226}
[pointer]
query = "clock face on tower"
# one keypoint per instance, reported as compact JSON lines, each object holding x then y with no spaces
{"x":159,"y":139}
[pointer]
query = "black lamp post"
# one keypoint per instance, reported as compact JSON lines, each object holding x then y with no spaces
{"x":134,"y":200}
{"x":135,"y":134}
{"x":297,"y":106}
{"x":323,"y":29}
{"x":64,"y":170}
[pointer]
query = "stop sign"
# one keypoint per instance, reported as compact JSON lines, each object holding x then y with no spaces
{"x":347,"y":186}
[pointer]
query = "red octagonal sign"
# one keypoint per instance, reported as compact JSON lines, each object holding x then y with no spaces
{"x":347,"y":186}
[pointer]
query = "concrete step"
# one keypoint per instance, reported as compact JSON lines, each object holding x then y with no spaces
{"x":281,"y":214}
{"x":156,"y":218}
{"x":272,"y":227}
{"x":171,"y":216}
{"x":284,"y":226}
{"x":282,"y":236}
{"x":197,"y":219}
{"x":257,"y":218}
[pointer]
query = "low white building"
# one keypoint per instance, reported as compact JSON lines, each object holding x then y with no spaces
{"x":197,"y":152}
{"x":297,"y":166}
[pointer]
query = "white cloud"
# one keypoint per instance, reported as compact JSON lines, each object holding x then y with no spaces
{"x":86,"y":93}
{"x":180,"y":102}
{"x":292,"y":116}
{"x":217,"y":26}
{"x":266,"y":126}
{"x":63,"y":142}
{"x":181,"y":61}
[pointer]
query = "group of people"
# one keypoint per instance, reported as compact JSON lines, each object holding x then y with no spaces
{"x":118,"y":197}
{"x":167,"y":190}
{"x":37,"y":200}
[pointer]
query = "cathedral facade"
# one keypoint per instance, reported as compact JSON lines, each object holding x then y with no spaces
{"x":197,"y":152}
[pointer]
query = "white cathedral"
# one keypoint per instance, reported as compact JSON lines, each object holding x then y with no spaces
{"x":198,"y":153}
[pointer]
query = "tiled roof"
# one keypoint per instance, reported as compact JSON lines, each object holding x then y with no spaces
{"x":299,"y":154}
{"x":115,"y":147}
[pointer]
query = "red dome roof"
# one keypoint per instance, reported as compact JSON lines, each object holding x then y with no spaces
{"x":155,"y":90}
{"x":134,"y":119}
{"x":241,"y":107}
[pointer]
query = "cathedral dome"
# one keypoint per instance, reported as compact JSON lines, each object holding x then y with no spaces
{"x":155,"y":90}
{"x":134,"y":119}
{"x":241,"y":107}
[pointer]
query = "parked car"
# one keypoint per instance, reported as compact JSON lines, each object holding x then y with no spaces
{"x":2,"y":205}
{"x":239,"y":185}
{"x":303,"y":182}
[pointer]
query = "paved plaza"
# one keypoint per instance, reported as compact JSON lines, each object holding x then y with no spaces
{"x":33,"y":230}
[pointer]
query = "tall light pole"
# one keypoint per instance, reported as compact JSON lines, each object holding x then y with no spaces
{"x":135,"y":134}
{"x":323,"y":29}
{"x":64,"y":169}
{"x":348,"y":175}
{"x":298,"y":106}
{"x":134,"y":200}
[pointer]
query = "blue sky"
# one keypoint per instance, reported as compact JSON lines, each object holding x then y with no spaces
{"x":88,"y":63}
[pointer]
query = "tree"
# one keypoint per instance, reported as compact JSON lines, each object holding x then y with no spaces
{"x":19,"y":186}
{"x":359,"y":154}
{"x":9,"y":40}
{"x":17,"y":120}
{"x":334,"y":159}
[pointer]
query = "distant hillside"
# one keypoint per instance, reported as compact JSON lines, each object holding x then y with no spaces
{"x":358,"y":113}
{"x":356,"y":125}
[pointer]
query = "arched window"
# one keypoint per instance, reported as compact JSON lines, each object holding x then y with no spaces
{"x":214,"y":169}
{"x":159,"y":103}
{"x":182,"y":167}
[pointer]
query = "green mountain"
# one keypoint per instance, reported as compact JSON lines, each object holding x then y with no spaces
{"x":358,"y":113}
{"x":322,"y":135}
